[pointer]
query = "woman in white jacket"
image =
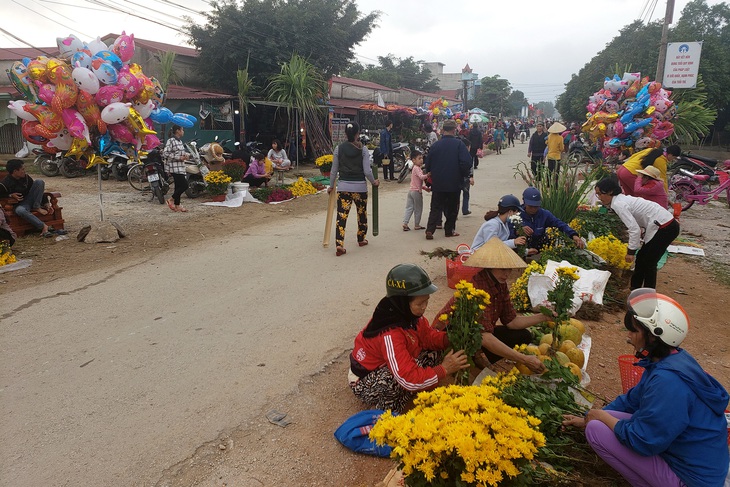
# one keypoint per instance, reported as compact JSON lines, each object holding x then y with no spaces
{"x":658,"y":225}
{"x":496,"y":224}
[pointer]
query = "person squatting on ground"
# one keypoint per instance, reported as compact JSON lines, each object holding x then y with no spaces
{"x":174,"y":156}
{"x":536,"y":150}
{"x":351,"y":162}
{"x":256,"y":174}
{"x":658,"y":226}
{"x":386,"y":151}
{"x":277,"y":156}
{"x":414,"y":198}
{"x":497,"y":261}
{"x":29,"y":196}
{"x":669,"y":430}
{"x":448,"y":163}
{"x":628,"y":172}
{"x":649,"y":186}
{"x":398,"y":353}
{"x":496,"y":224}
{"x":536,"y":221}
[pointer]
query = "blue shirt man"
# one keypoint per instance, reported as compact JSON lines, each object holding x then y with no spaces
{"x":536,"y":220}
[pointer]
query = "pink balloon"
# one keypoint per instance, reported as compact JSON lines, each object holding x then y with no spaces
{"x":129,"y":83}
{"x":121,"y":133}
{"x":75,"y":124}
{"x":150,"y":142}
{"x":108,"y":95}
{"x":46,"y":91}
{"x":124,"y":46}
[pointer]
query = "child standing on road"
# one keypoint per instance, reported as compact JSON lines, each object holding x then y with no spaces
{"x":414,"y":200}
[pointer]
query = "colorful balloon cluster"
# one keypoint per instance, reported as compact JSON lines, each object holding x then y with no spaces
{"x":440,"y":107}
{"x":629,"y":113}
{"x":90,"y":99}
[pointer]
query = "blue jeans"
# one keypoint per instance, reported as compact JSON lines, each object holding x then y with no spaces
{"x":465,"y":196}
{"x":31,"y":202}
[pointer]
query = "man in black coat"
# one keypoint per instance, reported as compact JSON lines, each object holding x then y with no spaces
{"x":448,"y":163}
{"x":475,"y":137}
{"x":536,"y":149}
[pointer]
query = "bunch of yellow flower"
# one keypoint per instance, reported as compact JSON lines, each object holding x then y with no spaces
{"x":611,"y":249}
{"x":518,"y":291}
{"x":465,"y":330}
{"x":302,"y":187}
{"x":324,"y":160}
{"x":218,"y":182}
{"x":575,"y":224}
{"x":6,"y":255}
{"x":460,"y":434}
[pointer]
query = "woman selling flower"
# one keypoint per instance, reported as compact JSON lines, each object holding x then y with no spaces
{"x":497,"y":261}
{"x":352,"y":163}
{"x":174,"y":155}
{"x":628,"y":171}
{"x":668,"y":430}
{"x":396,"y":354}
{"x":658,"y":226}
{"x":496,"y":224}
{"x":256,"y":174}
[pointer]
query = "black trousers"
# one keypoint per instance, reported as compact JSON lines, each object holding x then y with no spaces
{"x":510,"y":338}
{"x":181,"y":184}
{"x":388,"y":170}
{"x":649,"y":255}
{"x":446,"y":203}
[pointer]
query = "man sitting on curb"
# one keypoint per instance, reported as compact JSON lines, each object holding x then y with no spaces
{"x":536,"y":221}
{"x":29,"y":196}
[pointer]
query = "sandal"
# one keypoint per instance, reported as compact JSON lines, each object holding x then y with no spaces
{"x":181,"y":209}
{"x":454,"y":235}
{"x":419,"y":228}
{"x":47,"y":234}
{"x":59,"y":232}
{"x":406,"y":228}
{"x":171,"y":204}
{"x":363,"y":243}
{"x":340,"y":251}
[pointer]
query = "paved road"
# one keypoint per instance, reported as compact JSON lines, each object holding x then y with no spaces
{"x":112,"y":376}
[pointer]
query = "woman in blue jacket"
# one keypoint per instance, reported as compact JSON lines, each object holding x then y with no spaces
{"x":670,"y":429}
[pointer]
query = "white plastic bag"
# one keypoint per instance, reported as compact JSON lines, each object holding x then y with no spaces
{"x":590,"y":286}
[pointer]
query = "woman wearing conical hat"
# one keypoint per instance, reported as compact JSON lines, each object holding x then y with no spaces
{"x":497,"y":262}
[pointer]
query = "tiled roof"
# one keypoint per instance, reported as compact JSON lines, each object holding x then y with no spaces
{"x":18,"y":53}
{"x":438,"y":94}
{"x":176,"y":92}
{"x":358,"y":82}
{"x":156,"y":46}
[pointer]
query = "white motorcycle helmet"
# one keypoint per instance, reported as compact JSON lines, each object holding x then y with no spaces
{"x":661,"y":315}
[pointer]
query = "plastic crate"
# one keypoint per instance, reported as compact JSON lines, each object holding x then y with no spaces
{"x":630,"y":375}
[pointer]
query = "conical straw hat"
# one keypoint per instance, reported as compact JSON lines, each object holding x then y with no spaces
{"x":557,"y":128}
{"x":495,"y":255}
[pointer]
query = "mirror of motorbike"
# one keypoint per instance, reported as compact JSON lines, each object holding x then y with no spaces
{"x":236,"y":144}
{"x":215,"y":139}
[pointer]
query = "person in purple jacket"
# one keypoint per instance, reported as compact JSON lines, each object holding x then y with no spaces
{"x":536,"y":220}
{"x":668,"y":430}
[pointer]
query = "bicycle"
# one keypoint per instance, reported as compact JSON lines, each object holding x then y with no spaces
{"x":686,"y":188}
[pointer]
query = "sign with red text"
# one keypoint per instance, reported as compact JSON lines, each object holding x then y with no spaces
{"x":682,"y":64}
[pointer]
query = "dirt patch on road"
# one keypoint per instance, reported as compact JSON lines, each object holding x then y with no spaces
{"x":305,"y":452}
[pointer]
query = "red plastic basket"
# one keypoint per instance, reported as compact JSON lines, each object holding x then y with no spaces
{"x":456,"y":271}
{"x":630,"y":375}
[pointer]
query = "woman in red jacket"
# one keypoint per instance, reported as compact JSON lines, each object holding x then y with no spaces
{"x":650,"y":186}
{"x":397,"y":354}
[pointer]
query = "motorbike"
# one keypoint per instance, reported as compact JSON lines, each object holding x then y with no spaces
{"x":117,"y":165}
{"x":196,"y":167}
{"x":48,"y":163}
{"x":695,"y":164}
{"x":72,"y":168}
{"x":408,"y":166}
{"x":578,"y":153}
{"x":150,"y":175}
{"x":523,"y":136}
{"x":401,"y":153}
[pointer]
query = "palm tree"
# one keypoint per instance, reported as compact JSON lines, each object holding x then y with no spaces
{"x":301,"y":87}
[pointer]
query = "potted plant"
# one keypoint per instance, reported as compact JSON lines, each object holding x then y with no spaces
{"x":324,"y":163}
{"x":235,"y":168}
{"x":218,"y":183}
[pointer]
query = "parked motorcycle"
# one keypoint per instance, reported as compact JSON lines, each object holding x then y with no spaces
{"x":578,"y":153}
{"x":196,"y":167}
{"x":150,"y":175}
{"x":48,"y":163}
{"x":117,"y":165}
{"x":71,"y":167}
{"x":695,"y":164}
{"x":401,"y":153}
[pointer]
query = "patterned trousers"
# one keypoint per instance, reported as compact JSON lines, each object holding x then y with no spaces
{"x":379,"y":389}
{"x":344,"y":203}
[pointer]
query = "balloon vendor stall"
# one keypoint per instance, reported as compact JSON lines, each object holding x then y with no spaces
{"x":90,"y":100}
{"x":629,"y":112}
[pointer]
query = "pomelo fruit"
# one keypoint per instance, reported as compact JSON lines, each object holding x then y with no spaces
{"x":578,"y":324}
{"x":566,"y":345}
{"x":575,"y":370}
{"x":532,"y":350}
{"x":547,"y":338}
{"x":576,"y":356}
{"x":562,"y":358}
{"x":524,"y":370}
{"x":543,"y":348}
{"x":569,"y":332}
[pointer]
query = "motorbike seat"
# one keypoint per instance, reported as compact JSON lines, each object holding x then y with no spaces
{"x":701,"y":177}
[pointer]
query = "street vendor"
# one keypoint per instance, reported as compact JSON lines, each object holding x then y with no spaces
{"x":536,"y":220}
{"x":668,"y":430}
{"x":497,"y":261}
{"x":398,"y":354}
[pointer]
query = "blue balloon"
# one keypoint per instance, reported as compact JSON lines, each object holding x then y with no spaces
{"x":161,"y":115}
{"x":26,"y":60}
{"x":184,"y":120}
{"x":628,"y":128}
{"x":109,"y":57}
{"x":82,"y":58}
{"x":104,"y":143}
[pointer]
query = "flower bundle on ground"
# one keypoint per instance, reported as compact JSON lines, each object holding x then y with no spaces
{"x":6,"y":255}
{"x":560,"y":247}
{"x":460,"y":435}
{"x":279,"y":194}
{"x":518,"y":291}
{"x":302,"y":187}
{"x":561,"y":298}
{"x":611,"y":249}
{"x":465,"y":330}
{"x":218,"y":182}
{"x":324,"y":162}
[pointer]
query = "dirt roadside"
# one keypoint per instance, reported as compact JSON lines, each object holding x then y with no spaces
{"x":305,"y":453}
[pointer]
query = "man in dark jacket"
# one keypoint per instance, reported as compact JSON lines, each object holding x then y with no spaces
{"x":475,"y":137}
{"x":536,"y":221}
{"x":386,"y":151}
{"x":448,"y":163}
{"x":28,"y":194}
{"x":536,"y":149}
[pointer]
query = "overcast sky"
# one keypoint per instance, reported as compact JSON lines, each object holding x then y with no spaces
{"x":535,"y":44}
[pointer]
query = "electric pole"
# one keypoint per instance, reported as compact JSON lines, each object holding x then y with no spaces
{"x":663,"y":45}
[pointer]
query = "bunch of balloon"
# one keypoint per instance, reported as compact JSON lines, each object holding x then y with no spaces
{"x":90,"y":100}
{"x":439,"y":109}
{"x":629,"y":113}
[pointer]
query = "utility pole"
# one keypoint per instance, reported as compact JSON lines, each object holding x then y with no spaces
{"x":466,"y":93}
{"x":663,"y":46}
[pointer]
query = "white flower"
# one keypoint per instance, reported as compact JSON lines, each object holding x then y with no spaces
{"x":516,"y":220}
